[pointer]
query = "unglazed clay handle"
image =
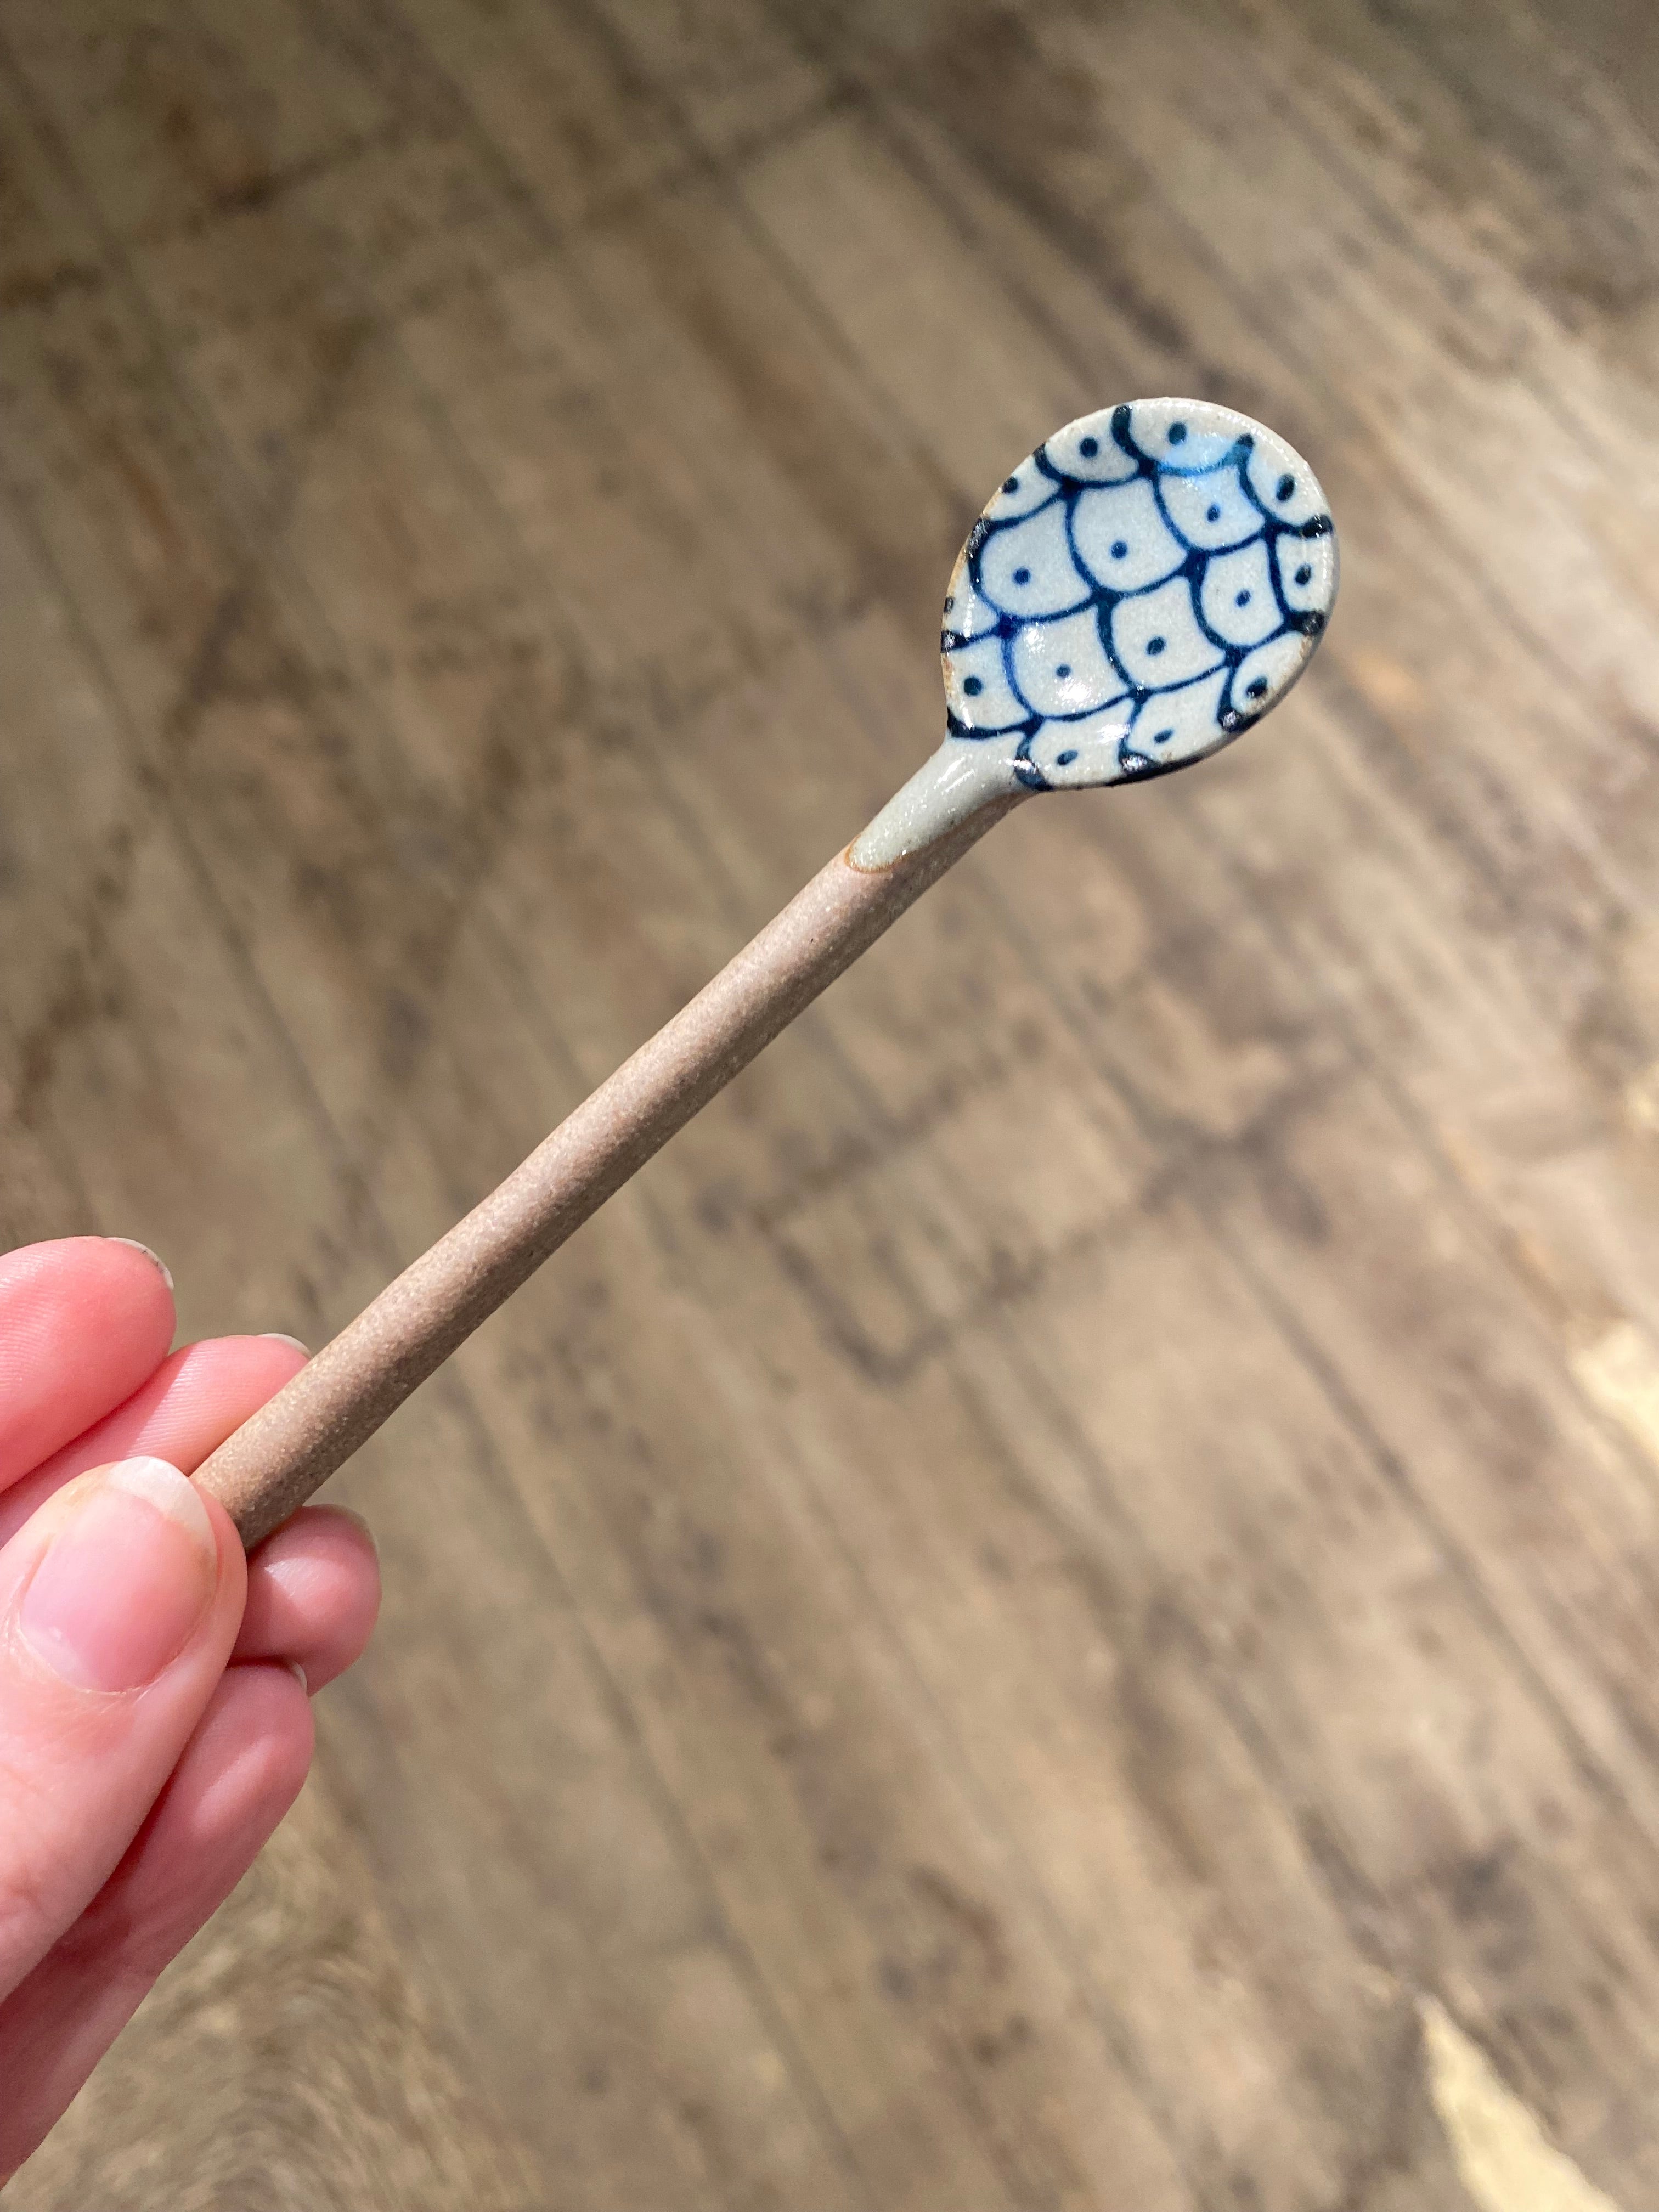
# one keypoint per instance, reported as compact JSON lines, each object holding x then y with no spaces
{"x":275,"y":1461}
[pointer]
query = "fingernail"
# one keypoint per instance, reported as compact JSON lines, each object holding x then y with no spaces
{"x":128,"y":1573}
{"x":154,"y":1258}
{"x":299,"y":1675}
{"x":275,"y":1336}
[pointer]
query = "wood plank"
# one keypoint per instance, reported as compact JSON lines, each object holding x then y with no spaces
{"x":298,"y":1977}
{"x":360,"y":2083}
{"x":257,"y":1233}
{"x":864,"y":2103}
{"x":864,"y":1296}
{"x":816,"y":200}
{"x":175,"y":114}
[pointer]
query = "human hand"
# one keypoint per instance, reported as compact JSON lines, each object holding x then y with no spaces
{"x":155,"y":1724}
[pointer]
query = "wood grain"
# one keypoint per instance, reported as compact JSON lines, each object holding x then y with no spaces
{"x":1079,"y":1554}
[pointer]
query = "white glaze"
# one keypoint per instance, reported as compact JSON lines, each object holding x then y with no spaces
{"x":1141,"y":590}
{"x":951,"y":784}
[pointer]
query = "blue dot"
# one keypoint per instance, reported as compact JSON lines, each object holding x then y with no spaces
{"x":1088,"y":447}
{"x":1064,"y":669}
{"x":1286,"y":486}
{"x":1011,"y":483}
{"x":972,"y":686}
{"x":1178,"y":434}
{"x":1213,"y":513}
{"x":950,"y":601}
{"x":1258,"y":690}
{"x":1065,"y":759}
{"x":1242,"y":600}
{"x":1155,"y":645}
{"x":1163,"y":737}
{"x":1304,"y":574}
{"x":1022,"y":575}
{"x":1120,"y":549}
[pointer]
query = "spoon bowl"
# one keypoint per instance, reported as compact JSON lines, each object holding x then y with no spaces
{"x":1140,"y":591}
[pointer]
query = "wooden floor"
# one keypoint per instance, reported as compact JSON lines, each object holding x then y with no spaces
{"x":1059,"y":1606}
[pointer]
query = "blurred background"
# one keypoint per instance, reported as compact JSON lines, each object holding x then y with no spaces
{"x":1056,"y":1606}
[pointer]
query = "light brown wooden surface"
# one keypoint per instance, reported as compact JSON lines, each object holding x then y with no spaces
{"x":1079,"y":1556}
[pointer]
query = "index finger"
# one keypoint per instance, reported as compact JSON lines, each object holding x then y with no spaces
{"x":83,"y":1322}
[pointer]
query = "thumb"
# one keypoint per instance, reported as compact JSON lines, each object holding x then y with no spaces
{"x":120,"y":1600}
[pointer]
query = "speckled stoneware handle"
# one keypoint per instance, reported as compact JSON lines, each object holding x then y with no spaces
{"x":1142,"y":589}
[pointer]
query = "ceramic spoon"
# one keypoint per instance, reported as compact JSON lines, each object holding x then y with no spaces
{"x":1141,"y":590}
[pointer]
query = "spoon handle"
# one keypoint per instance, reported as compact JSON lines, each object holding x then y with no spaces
{"x":293,"y":1443}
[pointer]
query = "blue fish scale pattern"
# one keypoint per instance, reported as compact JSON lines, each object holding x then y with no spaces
{"x":1141,"y":589}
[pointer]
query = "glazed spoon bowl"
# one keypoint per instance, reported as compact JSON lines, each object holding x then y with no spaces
{"x":1144,"y":588}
